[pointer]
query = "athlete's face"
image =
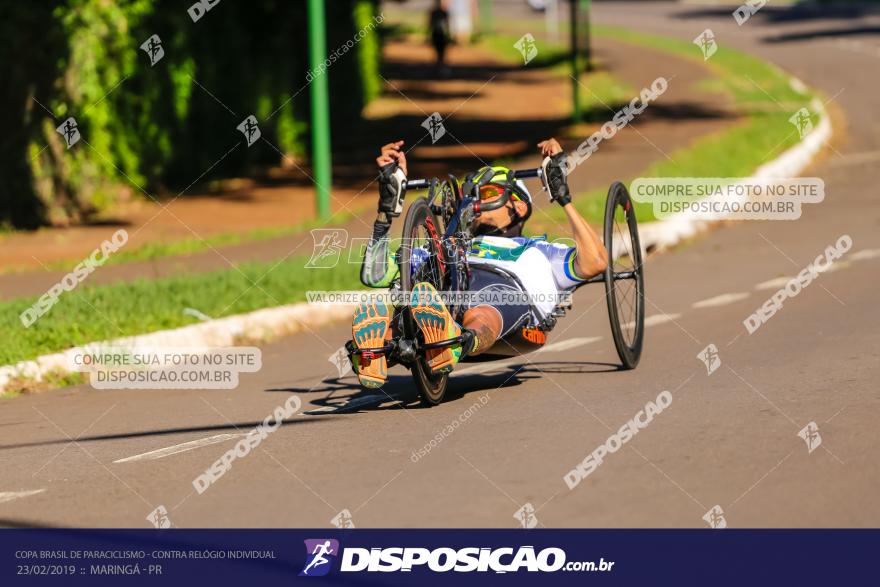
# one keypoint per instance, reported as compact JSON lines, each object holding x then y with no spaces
{"x":502,"y":217}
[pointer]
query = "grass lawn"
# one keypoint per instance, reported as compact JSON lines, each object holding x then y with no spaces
{"x":89,"y":314}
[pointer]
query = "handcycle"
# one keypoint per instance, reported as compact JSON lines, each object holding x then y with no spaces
{"x":436,"y":239}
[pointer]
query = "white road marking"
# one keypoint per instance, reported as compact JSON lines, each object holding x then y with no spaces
{"x":322,"y":410}
{"x":721,"y":300}
{"x":569,"y":343}
{"x":774,"y":283}
{"x":865,"y":254}
{"x":10,"y":495}
{"x":656,"y":320}
{"x":177,"y":448}
{"x":862,"y":255}
{"x":562,"y":345}
{"x":832,"y":268}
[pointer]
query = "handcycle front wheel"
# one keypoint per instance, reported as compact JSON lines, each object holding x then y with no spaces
{"x":421,"y":259}
{"x":624,"y":276}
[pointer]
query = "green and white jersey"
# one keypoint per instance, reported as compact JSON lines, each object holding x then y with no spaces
{"x":544,"y":269}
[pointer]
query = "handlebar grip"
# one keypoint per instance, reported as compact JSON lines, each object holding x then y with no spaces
{"x":527,"y":173}
{"x":417,"y":184}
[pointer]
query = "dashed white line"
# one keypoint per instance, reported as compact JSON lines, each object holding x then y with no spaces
{"x":865,"y":254}
{"x":721,"y":300}
{"x":10,"y":495}
{"x":656,"y":320}
{"x":832,"y":268}
{"x":862,"y":255}
{"x":178,"y":448}
{"x":774,"y":283}
{"x":569,"y":343}
{"x":562,"y":345}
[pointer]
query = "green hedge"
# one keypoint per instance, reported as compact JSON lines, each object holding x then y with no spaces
{"x":152,"y":126}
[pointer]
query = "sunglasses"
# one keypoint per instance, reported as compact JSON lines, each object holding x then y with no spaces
{"x":491,"y":191}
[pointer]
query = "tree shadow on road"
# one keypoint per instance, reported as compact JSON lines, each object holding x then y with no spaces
{"x":25,"y":523}
{"x":786,"y":14}
{"x":824,"y":33}
{"x":242,"y":427}
{"x":798,"y":14}
{"x":346,"y":396}
{"x":572,"y":367}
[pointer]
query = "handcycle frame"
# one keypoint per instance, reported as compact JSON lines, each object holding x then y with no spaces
{"x":457,"y":219}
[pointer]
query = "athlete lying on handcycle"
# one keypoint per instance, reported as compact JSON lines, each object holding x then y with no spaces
{"x":545,"y":270}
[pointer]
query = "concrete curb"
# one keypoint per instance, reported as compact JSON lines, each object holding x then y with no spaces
{"x":263,"y":325}
{"x":260,"y":325}
{"x":663,"y":234}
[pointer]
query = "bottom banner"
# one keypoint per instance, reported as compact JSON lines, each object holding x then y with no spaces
{"x":469,"y":557}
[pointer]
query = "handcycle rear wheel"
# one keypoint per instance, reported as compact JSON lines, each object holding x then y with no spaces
{"x":624,"y":276}
{"x":422,"y":259}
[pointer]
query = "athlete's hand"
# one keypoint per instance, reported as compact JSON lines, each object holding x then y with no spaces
{"x":554,"y":171}
{"x":550,"y":147}
{"x":392,"y":179}
{"x":391,"y":153}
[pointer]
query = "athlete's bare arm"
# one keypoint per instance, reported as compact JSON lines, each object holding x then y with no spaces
{"x":591,"y":257}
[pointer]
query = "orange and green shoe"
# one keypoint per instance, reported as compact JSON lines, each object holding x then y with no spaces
{"x":369,"y":327}
{"x":436,"y":323}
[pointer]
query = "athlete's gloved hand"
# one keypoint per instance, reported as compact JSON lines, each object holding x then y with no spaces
{"x":392,"y":186}
{"x":392,"y":179}
{"x":554,"y":178}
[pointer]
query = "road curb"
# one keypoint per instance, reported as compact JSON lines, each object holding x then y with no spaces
{"x":666,"y":233}
{"x":257,"y":326}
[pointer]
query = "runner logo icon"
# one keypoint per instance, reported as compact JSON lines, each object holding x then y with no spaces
{"x":434,"y":125}
{"x":250,"y":129}
{"x":70,"y":131}
{"x":153,"y":48}
{"x":320,"y":554}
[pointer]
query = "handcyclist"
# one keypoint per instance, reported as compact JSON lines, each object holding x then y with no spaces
{"x":501,"y":261}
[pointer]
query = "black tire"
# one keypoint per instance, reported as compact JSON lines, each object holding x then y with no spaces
{"x":418,"y":227}
{"x":625,"y":296}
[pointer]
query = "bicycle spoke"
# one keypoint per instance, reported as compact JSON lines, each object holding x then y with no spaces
{"x":629,"y":324}
{"x":626,"y":240}
{"x":626,"y":297}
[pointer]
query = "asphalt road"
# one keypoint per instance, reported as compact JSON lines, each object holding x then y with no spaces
{"x":728,"y":439}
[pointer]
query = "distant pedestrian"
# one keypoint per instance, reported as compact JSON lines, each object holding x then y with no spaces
{"x":438,"y":24}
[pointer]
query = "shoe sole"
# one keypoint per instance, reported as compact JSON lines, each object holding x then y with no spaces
{"x":368,"y":329}
{"x":434,"y":320}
